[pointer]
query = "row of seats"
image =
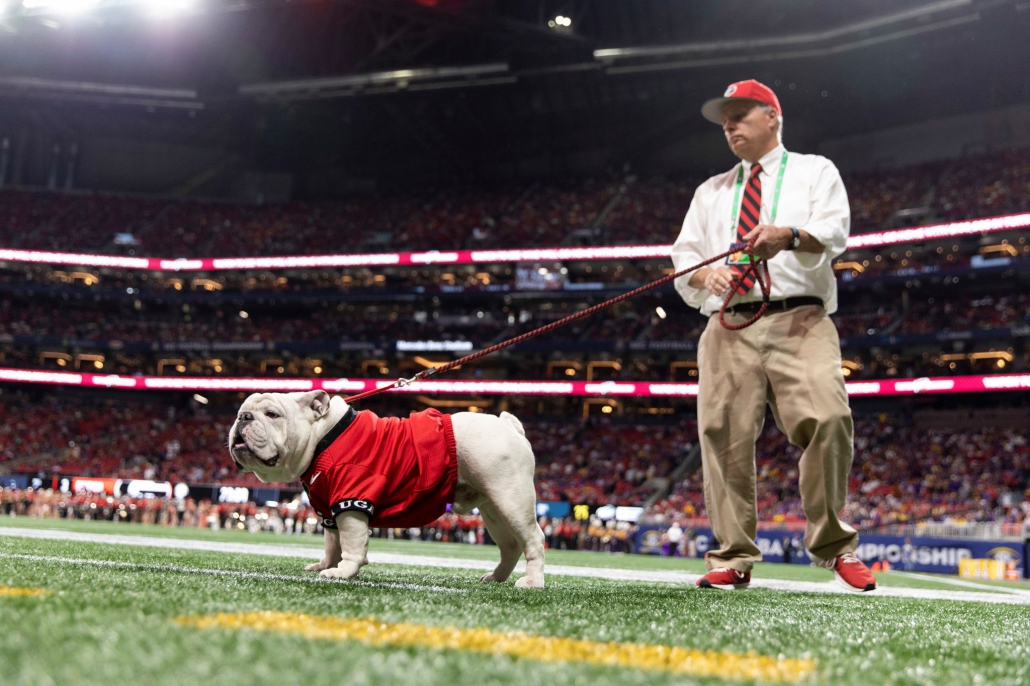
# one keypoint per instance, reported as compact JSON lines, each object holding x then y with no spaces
{"x":912,"y":314}
{"x":901,"y":472}
{"x":618,"y":210}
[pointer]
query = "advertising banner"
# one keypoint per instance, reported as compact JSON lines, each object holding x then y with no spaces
{"x":546,"y":508}
{"x":234,"y":495}
{"x":936,"y":555}
{"x":648,"y":540}
{"x":143,"y":488}
{"x":19,"y":481}
{"x":264,"y":495}
{"x":81,"y":484}
{"x":941,"y":555}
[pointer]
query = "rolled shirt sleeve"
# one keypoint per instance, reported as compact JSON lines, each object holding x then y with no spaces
{"x":689,"y":249}
{"x":830,"y":218}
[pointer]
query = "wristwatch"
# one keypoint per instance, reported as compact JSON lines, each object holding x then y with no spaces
{"x":795,"y":241}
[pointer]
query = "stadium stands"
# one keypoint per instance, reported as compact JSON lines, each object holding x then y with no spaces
{"x":592,"y":212}
{"x":902,"y":472}
{"x":134,"y":337}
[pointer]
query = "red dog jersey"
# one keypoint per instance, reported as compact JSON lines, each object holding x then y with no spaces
{"x":400,"y":472}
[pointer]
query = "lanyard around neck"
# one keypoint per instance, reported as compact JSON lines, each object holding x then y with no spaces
{"x":776,"y":194}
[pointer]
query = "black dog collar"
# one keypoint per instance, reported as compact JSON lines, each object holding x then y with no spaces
{"x":345,"y":421}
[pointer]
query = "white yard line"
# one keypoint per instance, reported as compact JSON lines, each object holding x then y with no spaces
{"x":1015,"y":597}
{"x":965,"y":583}
{"x":179,"y":569}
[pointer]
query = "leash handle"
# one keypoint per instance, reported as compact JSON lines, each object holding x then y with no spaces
{"x":735,"y":248}
{"x":756,"y":268}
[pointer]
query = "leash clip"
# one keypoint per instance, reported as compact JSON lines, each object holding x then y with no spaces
{"x":424,"y":374}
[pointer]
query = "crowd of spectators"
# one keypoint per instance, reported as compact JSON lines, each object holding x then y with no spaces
{"x":48,"y":503}
{"x":339,"y":339}
{"x":174,"y":324}
{"x":292,"y":517}
{"x":931,"y":312}
{"x":915,"y":312}
{"x":901,"y":472}
{"x":616,"y":210}
{"x":118,"y":440}
{"x":935,"y":314}
{"x":577,"y":461}
{"x":605,"y":464}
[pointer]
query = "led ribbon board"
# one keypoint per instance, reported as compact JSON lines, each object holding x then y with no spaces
{"x":617,"y":252}
{"x":644,"y":389}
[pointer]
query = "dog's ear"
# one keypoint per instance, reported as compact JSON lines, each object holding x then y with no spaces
{"x":318,"y":401}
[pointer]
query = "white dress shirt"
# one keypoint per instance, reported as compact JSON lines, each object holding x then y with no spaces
{"x":812,"y":199}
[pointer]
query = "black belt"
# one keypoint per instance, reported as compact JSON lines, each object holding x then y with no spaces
{"x":776,"y":305}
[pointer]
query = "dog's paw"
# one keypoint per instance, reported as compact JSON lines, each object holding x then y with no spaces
{"x":345,"y":570}
{"x":530,"y":582}
{"x":490,"y":579}
{"x":318,"y":566}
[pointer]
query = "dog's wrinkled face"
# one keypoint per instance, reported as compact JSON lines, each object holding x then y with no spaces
{"x":271,"y":431}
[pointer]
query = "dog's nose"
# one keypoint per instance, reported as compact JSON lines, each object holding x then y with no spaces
{"x":246,"y":416}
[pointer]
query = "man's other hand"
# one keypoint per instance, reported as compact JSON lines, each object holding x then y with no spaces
{"x":719,"y":280}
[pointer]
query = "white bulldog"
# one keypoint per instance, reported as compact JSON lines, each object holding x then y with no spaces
{"x":275,"y":435}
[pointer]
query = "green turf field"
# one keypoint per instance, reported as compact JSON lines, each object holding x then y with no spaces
{"x":100,"y":613}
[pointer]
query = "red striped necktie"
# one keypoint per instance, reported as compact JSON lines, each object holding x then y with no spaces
{"x":750,"y":214}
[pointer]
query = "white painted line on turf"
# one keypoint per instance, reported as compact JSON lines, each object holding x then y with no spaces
{"x":294,"y":551}
{"x":963,"y":582}
{"x":682,"y":578}
{"x":228,"y":572}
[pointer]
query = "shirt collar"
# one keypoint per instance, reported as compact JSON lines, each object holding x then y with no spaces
{"x":770,"y":161}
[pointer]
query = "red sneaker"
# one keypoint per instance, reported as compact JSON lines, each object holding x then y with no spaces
{"x":725,"y":579}
{"x":852,"y":574}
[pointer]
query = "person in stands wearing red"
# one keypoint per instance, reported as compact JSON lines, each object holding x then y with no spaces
{"x":794,"y":211}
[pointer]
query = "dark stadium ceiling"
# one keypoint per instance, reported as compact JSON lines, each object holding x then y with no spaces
{"x":460,"y":86}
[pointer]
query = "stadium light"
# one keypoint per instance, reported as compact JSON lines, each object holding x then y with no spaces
{"x":166,"y":8}
{"x":200,"y":399}
{"x":660,"y":311}
{"x":68,"y":7}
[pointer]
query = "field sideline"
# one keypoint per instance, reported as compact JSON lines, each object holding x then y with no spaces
{"x":95,"y":602}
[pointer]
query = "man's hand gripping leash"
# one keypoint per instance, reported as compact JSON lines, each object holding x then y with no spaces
{"x":756,"y":266}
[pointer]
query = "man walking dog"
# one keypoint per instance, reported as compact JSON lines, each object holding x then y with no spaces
{"x":795,"y":210}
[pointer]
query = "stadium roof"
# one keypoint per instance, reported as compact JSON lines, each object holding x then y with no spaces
{"x":460,"y":86}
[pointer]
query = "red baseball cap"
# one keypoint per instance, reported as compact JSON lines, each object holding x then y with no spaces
{"x":741,"y":90}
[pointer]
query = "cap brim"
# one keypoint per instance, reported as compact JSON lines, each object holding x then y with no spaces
{"x":712,"y":109}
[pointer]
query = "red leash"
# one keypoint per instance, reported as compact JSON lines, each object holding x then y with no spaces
{"x":755,"y":267}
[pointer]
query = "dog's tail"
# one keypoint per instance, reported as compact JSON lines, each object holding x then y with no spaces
{"x":513,"y":422}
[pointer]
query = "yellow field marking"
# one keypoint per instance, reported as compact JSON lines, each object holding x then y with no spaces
{"x":10,"y":591}
{"x":517,"y":644}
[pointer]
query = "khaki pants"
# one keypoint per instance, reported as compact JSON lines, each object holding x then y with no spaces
{"x":790,"y":360}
